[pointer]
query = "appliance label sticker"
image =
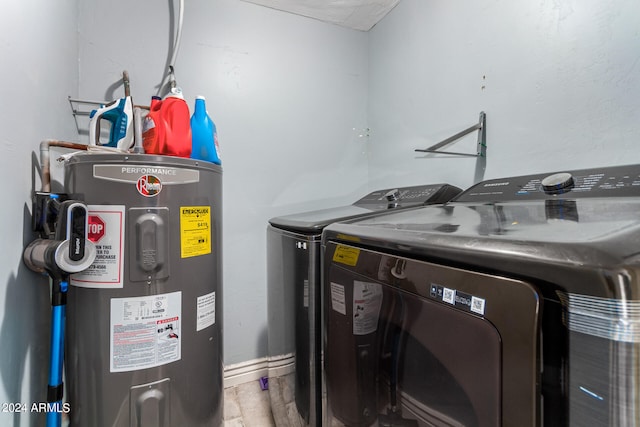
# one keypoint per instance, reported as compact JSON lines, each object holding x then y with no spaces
{"x":346,"y":255}
{"x":477,"y":305}
{"x":337,"y":299}
{"x":195,"y":231}
{"x":206,"y":311}
{"x":458,"y":299}
{"x":449,"y":295}
{"x":106,"y":231}
{"x":145,"y":331}
{"x":367,"y":301}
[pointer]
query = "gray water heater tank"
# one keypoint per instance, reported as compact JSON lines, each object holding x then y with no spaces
{"x":144,"y":322}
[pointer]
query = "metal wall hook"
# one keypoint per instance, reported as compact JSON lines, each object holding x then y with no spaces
{"x":481,"y":150}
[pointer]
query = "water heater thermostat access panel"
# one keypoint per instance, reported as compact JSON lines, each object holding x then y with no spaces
{"x":619,"y":181}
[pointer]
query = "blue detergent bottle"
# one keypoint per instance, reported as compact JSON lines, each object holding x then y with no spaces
{"x":204,"y":137}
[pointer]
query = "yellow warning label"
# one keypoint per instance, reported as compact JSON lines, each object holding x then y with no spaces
{"x":195,"y":231}
{"x":346,"y":255}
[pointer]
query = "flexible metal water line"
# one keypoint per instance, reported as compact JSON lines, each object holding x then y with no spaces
{"x":176,"y":47}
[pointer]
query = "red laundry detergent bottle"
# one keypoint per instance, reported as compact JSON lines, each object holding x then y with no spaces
{"x":166,"y":129}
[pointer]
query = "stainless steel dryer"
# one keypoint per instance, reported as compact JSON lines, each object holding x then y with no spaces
{"x":516,"y":304}
{"x":293,"y":282}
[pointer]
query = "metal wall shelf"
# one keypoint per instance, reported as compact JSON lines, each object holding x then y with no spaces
{"x":481,"y":146}
{"x":481,"y":150}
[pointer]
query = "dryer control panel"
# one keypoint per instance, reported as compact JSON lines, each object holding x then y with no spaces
{"x":618,"y":181}
{"x":407,"y":196}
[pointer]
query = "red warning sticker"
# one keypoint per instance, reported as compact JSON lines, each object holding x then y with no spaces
{"x":96,"y":228}
{"x":149,"y":185}
{"x":106,"y":231}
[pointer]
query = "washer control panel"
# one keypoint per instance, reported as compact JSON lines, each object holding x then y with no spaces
{"x":557,"y":183}
{"x":617,"y":181}
{"x":392,"y":195}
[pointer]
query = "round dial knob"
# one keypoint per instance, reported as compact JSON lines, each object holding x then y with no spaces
{"x":558,"y":182}
{"x":393,"y":195}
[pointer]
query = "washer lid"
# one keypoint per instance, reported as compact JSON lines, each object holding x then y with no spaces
{"x":316,"y":221}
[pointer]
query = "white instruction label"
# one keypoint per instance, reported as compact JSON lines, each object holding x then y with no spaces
{"x":337,"y":299}
{"x":145,"y":331}
{"x":367,"y":301}
{"x":106,"y":231}
{"x":206,"y":311}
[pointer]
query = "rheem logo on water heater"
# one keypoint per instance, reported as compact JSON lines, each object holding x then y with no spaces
{"x":149,"y":185}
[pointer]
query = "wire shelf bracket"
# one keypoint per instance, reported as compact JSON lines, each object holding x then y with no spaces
{"x":77,"y":106}
{"x":481,"y":150}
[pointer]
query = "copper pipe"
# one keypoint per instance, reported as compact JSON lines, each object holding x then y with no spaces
{"x":45,"y":161}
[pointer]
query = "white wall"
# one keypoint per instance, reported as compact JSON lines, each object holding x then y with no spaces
{"x":39,"y":71}
{"x":558,"y":80}
{"x":286,"y":93}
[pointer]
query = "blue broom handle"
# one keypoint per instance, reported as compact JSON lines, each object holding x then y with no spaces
{"x":56,"y":354}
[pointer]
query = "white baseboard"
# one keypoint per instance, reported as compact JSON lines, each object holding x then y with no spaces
{"x":253,"y":370}
{"x":282,"y":365}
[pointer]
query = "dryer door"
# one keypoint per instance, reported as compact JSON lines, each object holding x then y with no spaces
{"x":409,"y":340}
